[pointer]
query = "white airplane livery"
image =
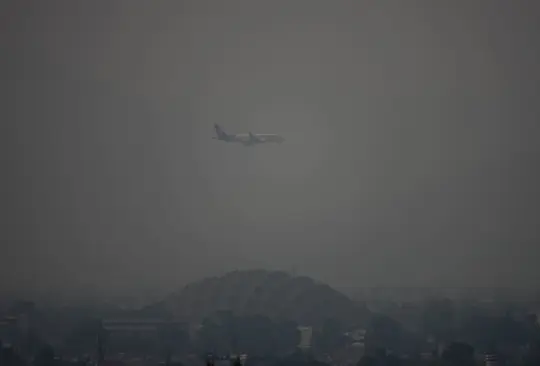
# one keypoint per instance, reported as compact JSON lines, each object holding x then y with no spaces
{"x":247,"y":139}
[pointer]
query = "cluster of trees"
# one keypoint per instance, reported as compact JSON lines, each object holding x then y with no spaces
{"x":259,"y":336}
{"x":455,"y":354}
{"x":223,"y":332}
{"x":381,"y":332}
{"x":446,"y":321}
{"x":511,"y":335}
{"x":331,"y":336}
{"x":44,"y":356}
{"x":8,"y":356}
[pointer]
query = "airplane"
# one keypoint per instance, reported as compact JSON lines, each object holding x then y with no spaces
{"x":247,"y":139}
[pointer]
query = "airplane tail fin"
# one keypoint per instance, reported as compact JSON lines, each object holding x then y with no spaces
{"x":220,"y":133}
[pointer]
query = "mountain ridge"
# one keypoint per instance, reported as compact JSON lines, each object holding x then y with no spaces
{"x":275,"y":294}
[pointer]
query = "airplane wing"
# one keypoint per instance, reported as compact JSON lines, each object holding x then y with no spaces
{"x":254,"y":138}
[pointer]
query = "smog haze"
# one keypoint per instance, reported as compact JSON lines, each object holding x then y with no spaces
{"x":410,"y":155}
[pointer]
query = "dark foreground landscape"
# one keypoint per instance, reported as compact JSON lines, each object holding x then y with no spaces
{"x":272,"y":318}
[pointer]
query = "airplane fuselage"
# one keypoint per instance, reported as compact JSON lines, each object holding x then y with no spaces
{"x":247,"y":139}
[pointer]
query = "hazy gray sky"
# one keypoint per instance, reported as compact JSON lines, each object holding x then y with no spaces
{"x":411,"y":154}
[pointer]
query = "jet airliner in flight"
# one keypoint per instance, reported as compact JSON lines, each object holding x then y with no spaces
{"x":247,"y":139}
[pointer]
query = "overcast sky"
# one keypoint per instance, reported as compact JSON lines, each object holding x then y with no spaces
{"x":411,"y":157}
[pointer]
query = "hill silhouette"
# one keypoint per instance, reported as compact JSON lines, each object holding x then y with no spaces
{"x":273,"y":294}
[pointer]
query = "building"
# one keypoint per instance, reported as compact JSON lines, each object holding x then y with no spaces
{"x":306,"y":334}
